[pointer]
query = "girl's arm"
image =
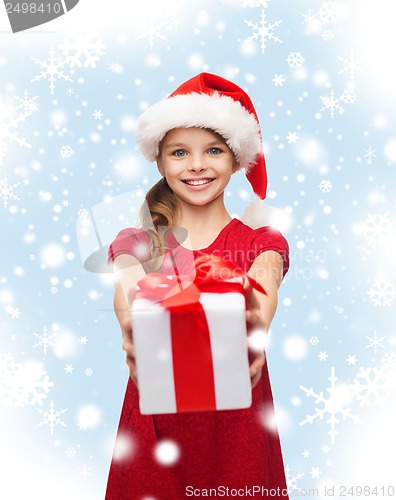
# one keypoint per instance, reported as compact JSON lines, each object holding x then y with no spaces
{"x":267,"y":270}
{"x":128,"y":272}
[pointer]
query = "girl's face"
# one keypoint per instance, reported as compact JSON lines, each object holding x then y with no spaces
{"x":197,"y":164}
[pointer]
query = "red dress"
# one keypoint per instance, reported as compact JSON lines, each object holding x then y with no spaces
{"x":232,"y":449}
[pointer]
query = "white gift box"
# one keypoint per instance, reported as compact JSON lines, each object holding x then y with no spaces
{"x":152,"y":336}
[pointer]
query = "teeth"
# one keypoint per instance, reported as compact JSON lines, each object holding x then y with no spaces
{"x":198,"y":183}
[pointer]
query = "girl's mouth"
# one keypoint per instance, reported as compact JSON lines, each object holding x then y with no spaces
{"x":197,"y":182}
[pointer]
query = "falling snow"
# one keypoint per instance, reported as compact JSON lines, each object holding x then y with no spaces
{"x":45,"y":340}
{"x":333,"y":406}
{"x":7,"y":191}
{"x":295,"y":60}
{"x":382,"y":293}
{"x":51,"y":70}
{"x":82,"y":49}
{"x":377,"y":229}
{"x":370,"y":386}
{"x":52,"y":418}
{"x":292,"y":479}
{"x":326,"y":186}
{"x":66,"y":152}
{"x":263,"y":31}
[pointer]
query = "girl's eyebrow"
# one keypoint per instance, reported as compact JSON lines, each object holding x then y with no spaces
{"x":181,"y":145}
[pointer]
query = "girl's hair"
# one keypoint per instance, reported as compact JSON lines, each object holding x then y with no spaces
{"x":163,"y":211}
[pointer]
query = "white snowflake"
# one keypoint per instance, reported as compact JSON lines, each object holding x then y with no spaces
{"x":22,"y":384}
{"x":381,"y":292}
{"x":348,"y":96}
{"x":52,"y":418}
{"x":332,"y":104}
{"x":263,"y":31}
{"x":97,"y":114}
{"x":325,"y":186}
{"x":333,"y":405}
{"x":292,"y":137}
{"x":325,"y":448}
{"x":66,"y":152}
{"x":314,"y":341}
{"x":310,"y":17}
{"x":327,"y":35}
{"x":370,"y":154}
{"x":389,"y":359}
{"x":295,"y":60}
{"x":306,"y":453}
{"x":54,"y":290}
{"x":329,"y":12}
{"x":83,"y":213}
{"x":82,"y":49}
{"x":10,"y":119}
{"x":83,"y":340}
{"x":375,"y":342}
{"x":351,"y":359}
{"x":85,"y":471}
{"x":278,"y":80}
{"x":351,"y":66}
{"x":45,"y":339}
{"x":315,"y":472}
{"x":377,"y":229}
{"x":370,"y":386}
{"x":14,"y":312}
{"x":152,"y":32}
{"x":69,"y":368}
{"x":51,"y":70}
{"x":70,"y":452}
{"x":292,"y":479}
{"x":323,"y":356}
{"x":88,"y":372}
{"x":7,"y":191}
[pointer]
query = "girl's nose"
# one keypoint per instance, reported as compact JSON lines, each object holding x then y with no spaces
{"x":197,"y":163}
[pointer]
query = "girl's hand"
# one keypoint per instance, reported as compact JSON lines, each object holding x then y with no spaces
{"x":254,"y":321}
{"x":127,"y":346}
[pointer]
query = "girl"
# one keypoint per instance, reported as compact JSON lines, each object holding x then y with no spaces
{"x":199,"y":136}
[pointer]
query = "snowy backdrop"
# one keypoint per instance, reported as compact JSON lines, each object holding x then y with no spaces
{"x":322,"y":78}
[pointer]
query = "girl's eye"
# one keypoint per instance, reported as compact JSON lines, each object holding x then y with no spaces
{"x":214,"y":151}
{"x":179,"y":152}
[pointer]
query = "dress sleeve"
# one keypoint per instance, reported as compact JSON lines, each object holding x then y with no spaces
{"x":133,"y":242}
{"x":268,"y":238}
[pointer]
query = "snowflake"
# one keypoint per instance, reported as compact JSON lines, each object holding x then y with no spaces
{"x":97,"y":114}
{"x":370,"y":387}
{"x":370,"y":154}
{"x":83,"y":340}
{"x":69,"y":368}
{"x":14,"y":312}
{"x":348,"y":96}
{"x":295,"y":60}
{"x":325,"y":186}
{"x":66,"y":151}
{"x":325,"y":448}
{"x":333,"y":229}
{"x":32,"y":257}
{"x":310,"y":17}
{"x":85,"y":45}
{"x":22,"y":384}
{"x":10,"y":118}
{"x":83,"y":213}
{"x":327,"y":35}
{"x":152,"y":32}
{"x":278,"y":80}
{"x":292,"y":137}
{"x":27,"y":104}
{"x":51,"y":70}
{"x":389,"y":359}
{"x":314,"y":341}
{"x":377,"y":229}
{"x":291,"y":480}
{"x":263,"y":31}
{"x":329,"y":12}
{"x":69,"y":91}
{"x":351,"y":359}
{"x":45,"y":340}
{"x":315,"y":472}
{"x":332,"y":405}
{"x":375,"y":342}
{"x":70,"y":452}
{"x":115,"y":68}
{"x":54,"y":290}
{"x":52,"y":418}
{"x":351,"y":67}
{"x":332,"y":104}
{"x":88,"y":372}
{"x":306,"y":453}
{"x":381,"y":292}
{"x":85,"y":471}
{"x":7,"y":191}
{"x":323,"y":356}
{"x":65,"y":203}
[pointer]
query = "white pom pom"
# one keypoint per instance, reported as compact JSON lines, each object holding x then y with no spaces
{"x":258,"y":214}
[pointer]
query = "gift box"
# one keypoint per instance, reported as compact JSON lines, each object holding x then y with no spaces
{"x":190,"y":342}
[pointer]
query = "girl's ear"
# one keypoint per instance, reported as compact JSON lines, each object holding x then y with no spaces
{"x":236,"y":166}
{"x":160,"y":167}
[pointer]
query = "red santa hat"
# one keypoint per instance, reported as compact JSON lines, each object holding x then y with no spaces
{"x":212,"y":102}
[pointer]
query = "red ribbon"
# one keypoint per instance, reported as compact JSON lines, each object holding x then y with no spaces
{"x":191,"y":349}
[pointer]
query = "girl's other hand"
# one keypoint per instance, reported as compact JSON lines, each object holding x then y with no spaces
{"x":254,"y":321}
{"x":127,"y":346}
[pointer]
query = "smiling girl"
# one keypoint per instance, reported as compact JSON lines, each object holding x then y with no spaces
{"x":199,"y":137}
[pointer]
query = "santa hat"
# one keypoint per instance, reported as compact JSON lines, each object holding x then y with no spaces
{"x":212,"y":102}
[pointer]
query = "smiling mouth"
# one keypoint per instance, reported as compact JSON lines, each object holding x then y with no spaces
{"x":197,"y":182}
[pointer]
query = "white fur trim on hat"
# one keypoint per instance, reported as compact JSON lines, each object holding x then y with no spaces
{"x":217,"y":112}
